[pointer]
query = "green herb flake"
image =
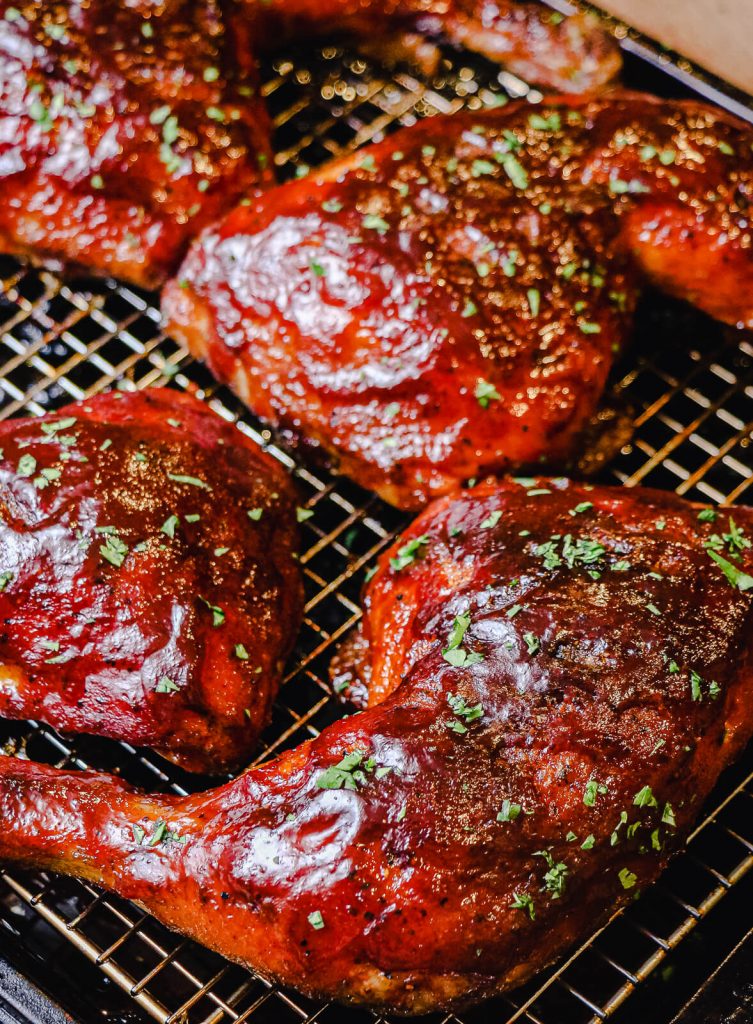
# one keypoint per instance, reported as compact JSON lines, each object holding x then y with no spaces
{"x":485,"y":393}
{"x":302,"y":514}
{"x":192,"y":481}
{"x":375,"y":223}
{"x":349,"y":773}
{"x":532,"y":643}
{"x":513,"y":169}
{"x":590,"y":792}
{"x":454,"y":654}
{"x":739,"y":579}
{"x":695,"y":686}
{"x":168,"y":527}
{"x":491,"y":520}
{"x":644,"y":798}
{"x":27,"y":465}
{"x":627,"y":878}
{"x":166,"y":685}
{"x":522,"y":901}
{"x":316,"y":920}
{"x":509,"y":811}
{"x":218,"y":615}
{"x":407,"y":554}
{"x":668,"y":816}
{"x":113,"y":549}
{"x":463,"y":713}
{"x":241,"y":653}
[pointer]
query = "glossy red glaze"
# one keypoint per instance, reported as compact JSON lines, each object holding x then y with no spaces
{"x":449,"y":302}
{"x":598,"y":696}
{"x":124,"y":129}
{"x":123,"y":518}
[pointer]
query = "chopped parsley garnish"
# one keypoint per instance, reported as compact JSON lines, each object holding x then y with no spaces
{"x":668,"y":816}
{"x":590,"y":792}
{"x":407,"y":554}
{"x":375,"y":223}
{"x":522,"y":901}
{"x":316,"y":920}
{"x":255,"y":514}
{"x":552,"y":123}
{"x":707,"y":515}
{"x":161,"y":834}
{"x":241,"y":653}
{"x":55,"y":426}
{"x":627,"y":878}
{"x":534,"y":301}
{"x":509,"y":811}
{"x":351,"y":772}
{"x":571,"y":552}
{"x":27,"y":465}
{"x":644,"y":798}
{"x":168,"y":527}
{"x":485,"y":393}
{"x":45,"y":478}
{"x":735,"y":540}
{"x":113,"y":549}
{"x":192,"y":481}
{"x":491,"y":520}
{"x":454,"y":654}
{"x":736,"y":576}
{"x":695,"y":686}
{"x":554,"y":879}
{"x":532,"y":643}
{"x":469,"y":309}
{"x":463,"y":713}
{"x":588,"y":842}
{"x":166,"y":685}
{"x":302,"y":514}
{"x":513,"y":169}
{"x":582,"y":506}
{"x":218,"y":615}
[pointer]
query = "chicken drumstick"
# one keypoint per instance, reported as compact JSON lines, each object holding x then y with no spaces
{"x":558,"y":675}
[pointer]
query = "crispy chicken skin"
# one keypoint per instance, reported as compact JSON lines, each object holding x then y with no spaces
{"x":124,"y":129}
{"x":456,"y":836}
{"x":449,"y":302}
{"x":139,"y":600}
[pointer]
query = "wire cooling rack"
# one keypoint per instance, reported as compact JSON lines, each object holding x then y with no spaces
{"x":690,"y":383}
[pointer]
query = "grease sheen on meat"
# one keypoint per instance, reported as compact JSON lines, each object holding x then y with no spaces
{"x":449,"y":302}
{"x":125,"y":128}
{"x":138,"y":598}
{"x":558,"y":676}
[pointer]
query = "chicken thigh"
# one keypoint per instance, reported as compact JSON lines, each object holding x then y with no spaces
{"x":148,"y":588}
{"x":449,"y":302}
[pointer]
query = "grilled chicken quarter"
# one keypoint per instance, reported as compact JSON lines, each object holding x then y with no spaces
{"x":557,"y":675}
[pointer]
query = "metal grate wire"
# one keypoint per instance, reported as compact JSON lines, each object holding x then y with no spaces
{"x":690,"y":382}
